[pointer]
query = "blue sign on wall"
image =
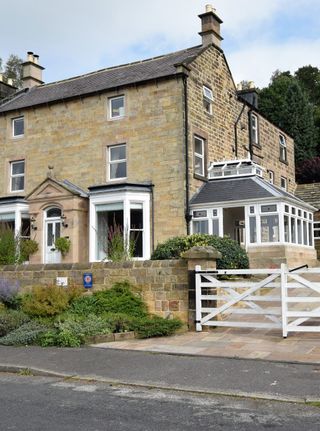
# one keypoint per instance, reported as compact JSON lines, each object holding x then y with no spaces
{"x":87,"y":280}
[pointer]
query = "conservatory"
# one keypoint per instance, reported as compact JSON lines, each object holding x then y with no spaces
{"x":270,"y":223}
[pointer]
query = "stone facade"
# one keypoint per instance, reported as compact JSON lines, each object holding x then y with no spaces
{"x":211,"y":69}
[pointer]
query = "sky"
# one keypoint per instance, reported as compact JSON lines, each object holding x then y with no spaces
{"x":73,"y":37}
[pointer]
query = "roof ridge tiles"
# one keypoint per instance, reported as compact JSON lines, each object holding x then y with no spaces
{"x":120,"y":66}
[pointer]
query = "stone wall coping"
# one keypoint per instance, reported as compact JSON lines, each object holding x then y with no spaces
{"x":95,"y":265}
{"x":201,"y":253}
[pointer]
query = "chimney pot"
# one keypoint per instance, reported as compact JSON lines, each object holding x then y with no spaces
{"x":252,"y":85}
{"x":36,"y":58}
{"x":10,"y":81}
{"x":30,"y":56}
{"x":209,"y":8}
{"x":239,"y":86}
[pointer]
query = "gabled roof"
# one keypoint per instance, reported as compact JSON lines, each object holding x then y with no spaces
{"x":241,"y":189}
{"x":65,"y":184}
{"x":102,"y":80}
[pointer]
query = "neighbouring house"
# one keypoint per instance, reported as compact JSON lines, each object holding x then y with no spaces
{"x":311,"y":193}
{"x":161,"y":147}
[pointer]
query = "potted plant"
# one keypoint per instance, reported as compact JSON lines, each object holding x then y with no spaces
{"x":62,"y":244}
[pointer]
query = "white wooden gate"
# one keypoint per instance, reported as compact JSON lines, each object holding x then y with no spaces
{"x":259,"y":298}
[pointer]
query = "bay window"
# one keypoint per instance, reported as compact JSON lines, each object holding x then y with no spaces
{"x":120,"y":222}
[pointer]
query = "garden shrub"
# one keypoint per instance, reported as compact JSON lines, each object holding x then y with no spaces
{"x":11,"y":320}
{"x":233,"y":256}
{"x":155,"y":326}
{"x":45,"y":301}
{"x":118,"y":299}
{"x":9,"y":290}
{"x":72,"y":330}
{"x":14,"y":249}
{"x":119,"y":322}
{"x":8,"y":247}
{"x":28,"y":333}
{"x":84,"y":305}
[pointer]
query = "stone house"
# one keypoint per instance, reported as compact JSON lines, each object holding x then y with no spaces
{"x":157,"y":148}
{"x":310,"y":193}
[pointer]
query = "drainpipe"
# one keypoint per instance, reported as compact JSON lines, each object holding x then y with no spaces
{"x":250,"y":135}
{"x":236,"y":131}
{"x":186,"y":144}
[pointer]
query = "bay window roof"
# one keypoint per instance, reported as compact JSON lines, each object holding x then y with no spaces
{"x":243,"y":189}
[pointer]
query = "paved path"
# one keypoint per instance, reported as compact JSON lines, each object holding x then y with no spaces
{"x":232,"y":343}
{"x":249,"y":378}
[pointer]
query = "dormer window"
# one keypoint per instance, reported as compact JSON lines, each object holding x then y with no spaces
{"x":18,"y":127}
{"x":254,"y":129}
{"x":116,"y":107}
{"x":207,"y":99}
{"x":283,"y":148}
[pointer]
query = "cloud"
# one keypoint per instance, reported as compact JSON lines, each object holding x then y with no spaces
{"x":258,"y":61}
{"x":77,"y":36}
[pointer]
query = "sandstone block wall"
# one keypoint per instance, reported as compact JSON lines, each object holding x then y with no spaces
{"x":73,"y":136}
{"x":163,"y":285}
{"x":211,"y":69}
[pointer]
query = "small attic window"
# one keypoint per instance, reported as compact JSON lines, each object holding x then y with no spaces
{"x":207,"y":99}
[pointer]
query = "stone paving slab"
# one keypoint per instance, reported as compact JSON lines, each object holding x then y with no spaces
{"x":233,"y":343}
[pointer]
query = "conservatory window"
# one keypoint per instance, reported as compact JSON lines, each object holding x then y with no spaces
{"x":269,"y":228}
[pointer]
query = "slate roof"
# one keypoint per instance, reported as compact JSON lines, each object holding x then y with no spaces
{"x":101,"y":80}
{"x":240,"y":189}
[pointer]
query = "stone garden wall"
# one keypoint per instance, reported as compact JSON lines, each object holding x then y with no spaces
{"x":162,"y":284}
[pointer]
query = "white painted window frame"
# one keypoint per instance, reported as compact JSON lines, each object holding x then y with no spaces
{"x":126,"y":198}
{"x":208,"y":97}
{"x":255,"y":128}
{"x":200,"y":156}
{"x":16,"y":210}
{"x":285,"y":182}
{"x":120,"y":116}
{"x":113,"y":162}
{"x":316,"y":229}
{"x":12,"y":176}
{"x":283,"y":148}
{"x":210,"y":217}
{"x":271,"y":177}
{"x":13,"y":121}
{"x":257,"y":214}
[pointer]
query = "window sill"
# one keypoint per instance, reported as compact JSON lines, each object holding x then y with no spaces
{"x":116,"y":118}
{"x":200,"y":177}
{"x":257,"y":145}
{"x":285,"y":162}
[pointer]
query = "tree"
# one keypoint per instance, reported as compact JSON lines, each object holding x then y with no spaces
{"x":299,"y":123}
{"x":287,"y":105}
{"x":13,"y":69}
{"x":309,"y":79}
{"x":309,"y":171}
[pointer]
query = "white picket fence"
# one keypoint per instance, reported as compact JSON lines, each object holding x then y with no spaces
{"x":259,"y":298}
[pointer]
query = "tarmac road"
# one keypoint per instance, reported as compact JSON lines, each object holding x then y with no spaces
{"x":31,"y":403}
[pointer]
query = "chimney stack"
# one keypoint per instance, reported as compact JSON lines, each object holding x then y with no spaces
{"x":32,"y":71}
{"x":210,"y":27}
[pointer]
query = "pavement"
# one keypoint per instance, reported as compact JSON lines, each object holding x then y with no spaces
{"x":259,"y":379}
{"x":232,"y":343}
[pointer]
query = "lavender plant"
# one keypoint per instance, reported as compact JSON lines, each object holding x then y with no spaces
{"x":9,"y":290}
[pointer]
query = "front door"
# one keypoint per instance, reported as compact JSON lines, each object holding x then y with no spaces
{"x":52,"y":232}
